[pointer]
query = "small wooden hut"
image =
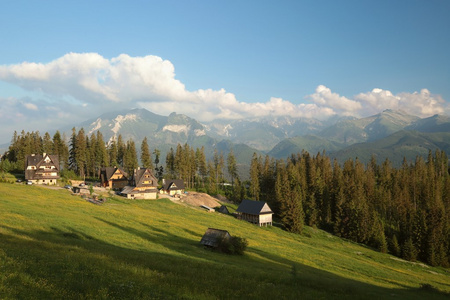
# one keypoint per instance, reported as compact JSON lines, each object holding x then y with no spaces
{"x":213,"y":237}
{"x":223,"y":209}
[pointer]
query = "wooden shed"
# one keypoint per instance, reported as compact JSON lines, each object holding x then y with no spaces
{"x":213,"y":237}
{"x":256,"y":212}
{"x":223,"y":209}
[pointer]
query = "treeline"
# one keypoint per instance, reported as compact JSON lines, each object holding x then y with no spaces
{"x":84,"y":155}
{"x":403,"y":211}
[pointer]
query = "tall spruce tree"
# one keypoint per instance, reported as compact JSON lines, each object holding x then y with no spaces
{"x":146,"y":159}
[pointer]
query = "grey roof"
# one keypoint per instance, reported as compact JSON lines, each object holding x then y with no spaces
{"x":173,"y":184}
{"x":223,"y":209}
{"x":37,"y":161}
{"x":108,"y":172}
{"x":254,"y":207}
{"x":139,"y":178}
{"x":132,"y":190}
{"x":212,"y":237}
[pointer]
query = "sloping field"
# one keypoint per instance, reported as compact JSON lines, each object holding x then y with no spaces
{"x":54,"y":245}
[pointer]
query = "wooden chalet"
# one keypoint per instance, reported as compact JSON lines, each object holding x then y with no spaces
{"x":144,"y":185}
{"x":42,"y":169}
{"x":213,"y":237}
{"x":113,"y":178}
{"x":172,"y":187}
{"x":256,"y":212}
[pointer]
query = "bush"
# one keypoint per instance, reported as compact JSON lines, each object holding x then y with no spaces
{"x":233,"y":245}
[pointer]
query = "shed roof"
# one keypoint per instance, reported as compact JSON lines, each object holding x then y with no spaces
{"x":254,"y":207}
{"x":212,"y":237}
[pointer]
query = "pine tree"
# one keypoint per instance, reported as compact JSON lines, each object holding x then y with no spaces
{"x":232,"y":166}
{"x":61,"y":150}
{"x":80,"y":152}
{"x":146,"y":160}
{"x":170,"y":163}
{"x":47,"y":144}
{"x":255,"y":170}
{"x":130,"y":157}
{"x":121,"y":149}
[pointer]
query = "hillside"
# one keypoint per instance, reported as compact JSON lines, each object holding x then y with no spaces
{"x":309,"y":143}
{"x":402,"y":144}
{"x":54,"y":245}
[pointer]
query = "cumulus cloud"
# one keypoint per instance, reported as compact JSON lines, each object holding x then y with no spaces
{"x":339,"y":104}
{"x":422,"y":104}
{"x":84,"y":85}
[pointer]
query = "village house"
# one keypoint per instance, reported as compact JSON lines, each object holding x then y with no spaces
{"x":143,"y":185}
{"x":213,"y":237}
{"x":113,"y":177}
{"x":42,"y":169}
{"x":256,"y":212}
{"x":172,"y":187}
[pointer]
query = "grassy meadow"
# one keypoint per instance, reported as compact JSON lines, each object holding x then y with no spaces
{"x":54,"y":245}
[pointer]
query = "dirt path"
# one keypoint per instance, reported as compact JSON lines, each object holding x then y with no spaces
{"x":198,"y":199}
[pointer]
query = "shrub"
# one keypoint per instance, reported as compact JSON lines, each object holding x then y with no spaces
{"x":233,"y":245}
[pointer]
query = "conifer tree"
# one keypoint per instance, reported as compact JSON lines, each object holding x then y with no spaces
{"x":146,"y":160}
{"x":130,"y":157}
{"x":232,"y":166}
{"x":61,"y":150}
{"x":113,"y":153}
{"x":80,"y":152}
{"x":47,"y":144}
{"x":255,"y":170}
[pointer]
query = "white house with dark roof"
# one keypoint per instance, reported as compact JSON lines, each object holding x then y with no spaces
{"x":172,"y":187}
{"x":42,"y":169}
{"x":256,"y":212}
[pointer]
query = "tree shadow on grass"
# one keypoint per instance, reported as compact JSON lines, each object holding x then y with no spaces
{"x":68,"y":263}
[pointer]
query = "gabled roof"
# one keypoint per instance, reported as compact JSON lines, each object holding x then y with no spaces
{"x":38,"y":161}
{"x":254,"y":207}
{"x":223,"y":209}
{"x":173,"y":184}
{"x":108,"y":172}
{"x":212,"y":237}
{"x":139,"y":177}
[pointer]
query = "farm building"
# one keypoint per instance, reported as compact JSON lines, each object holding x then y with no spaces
{"x":42,"y":169}
{"x":213,"y":237}
{"x":256,"y":212}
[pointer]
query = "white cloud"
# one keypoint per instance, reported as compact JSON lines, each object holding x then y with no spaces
{"x":78,"y":86}
{"x":30,"y":106}
{"x":422,"y":104}
{"x":341,"y":105}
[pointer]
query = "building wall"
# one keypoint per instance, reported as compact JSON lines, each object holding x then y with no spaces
{"x":265,"y":219}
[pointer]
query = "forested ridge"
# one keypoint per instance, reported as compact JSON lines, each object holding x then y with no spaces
{"x":404,"y":211}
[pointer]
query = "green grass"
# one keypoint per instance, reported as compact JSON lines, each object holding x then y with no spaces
{"x":54,"y":245}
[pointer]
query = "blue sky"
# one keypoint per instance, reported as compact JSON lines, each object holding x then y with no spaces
{"x":66,"y":61}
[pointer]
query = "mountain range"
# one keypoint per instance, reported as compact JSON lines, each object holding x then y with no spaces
{"x":389,"y":134}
